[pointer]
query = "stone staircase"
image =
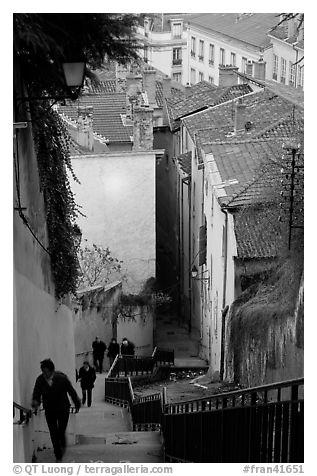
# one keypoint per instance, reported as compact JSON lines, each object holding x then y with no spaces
{"x":103,"y":435}
{"x":170,"y":334}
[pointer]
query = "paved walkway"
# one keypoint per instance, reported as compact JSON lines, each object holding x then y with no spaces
{"x":170,"y":334}
{"x":103,"y":435}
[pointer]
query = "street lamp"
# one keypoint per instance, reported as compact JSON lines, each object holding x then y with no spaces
{"x":198,"y":277}
{"x":74,"y":74}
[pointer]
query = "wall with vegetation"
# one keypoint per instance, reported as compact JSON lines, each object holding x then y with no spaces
{"x":264,"y":346}
{"x":42,"y":326}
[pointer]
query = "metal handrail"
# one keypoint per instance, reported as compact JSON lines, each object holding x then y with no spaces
{"x":112,"y":366}
{"x":25,"y":413}
{"x":245,"y":391}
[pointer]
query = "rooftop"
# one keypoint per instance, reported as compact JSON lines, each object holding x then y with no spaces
{"x":258,"y":233}
{"x":201,"y":96}
{"x":265,"y":111}
{"x":107,"y":111}
{"x":250,"y":28}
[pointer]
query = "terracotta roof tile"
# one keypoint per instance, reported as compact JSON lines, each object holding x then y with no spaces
{"x":258,"y":233}
{"x":201,"y":96}
{"x":107,"y":110}
{"x":108,"y":86}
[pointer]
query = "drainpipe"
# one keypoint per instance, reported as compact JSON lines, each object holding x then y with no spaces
{"x":224,"y":307}
{"x":189,"y":254}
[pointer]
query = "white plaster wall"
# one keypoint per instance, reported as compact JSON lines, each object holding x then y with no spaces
{"x":117,"y":193}
{"x":233,"y":46}
{"x":286,"y":51}
{"x":138,"y":330}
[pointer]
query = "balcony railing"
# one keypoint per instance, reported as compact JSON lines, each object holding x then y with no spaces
{"x":201,"y":58}
{"x":192,"y":54}
{"x":211,"y":62}
{"x":24,"y":413}
{"x":177,"y":62}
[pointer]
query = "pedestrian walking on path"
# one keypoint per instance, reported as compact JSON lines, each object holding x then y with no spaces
{"x":98,"y":351}
{"x":52,"y":388}
{"x":113,"y":350}
{"x":87,"y":377}
{"x":127,"y":347}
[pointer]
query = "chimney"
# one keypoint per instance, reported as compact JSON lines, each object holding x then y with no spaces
{"x":85,"y":135}
{"x":142,"y":129}
{"x":228,"y":76}
{"x":239,"y":117}
{"x":134,"y":81}
{"x":291,"y":27}
{"x":149,"y":85}
{"x":249,"y":68}
{"x":259,"y":69}
{"x":167,"y":87}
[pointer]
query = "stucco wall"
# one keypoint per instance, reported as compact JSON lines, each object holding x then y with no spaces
{"x":95,"y":318}
{"x":117,"y":193}
{"x":42,"y":326}
{"x":138,"y":330}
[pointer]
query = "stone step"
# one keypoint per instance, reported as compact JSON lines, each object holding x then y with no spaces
{"x":134,"y":447}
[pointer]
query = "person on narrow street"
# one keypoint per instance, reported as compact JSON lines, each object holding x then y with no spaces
{"x":98,"y":351}
{"x":52,"y":388}
{"x":127,"y":347}
{"x":113,"y":350}
{"x":87,"y":377}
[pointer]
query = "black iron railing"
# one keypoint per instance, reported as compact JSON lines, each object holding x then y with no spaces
{"x":163,"y":356}
{"x":24,"y":414}
{"x":261,"y":424}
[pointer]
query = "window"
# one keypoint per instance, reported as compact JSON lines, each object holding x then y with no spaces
{"x":192,"y":76}
{"x":201,"y":50}
{"x":244,"y":64}
{"x":177,"y":30}
{"x":211,"y":54}
{"x":200,"y":76}
{"x":211,"y":79}
{"x":193,"y":47}
{"x":292,"y":73}
{"x":177,"y":56}
{"x":233,"y":59}
{"x":275,"y":67}
{"x":283,"y":70}
{"x":301,"y":76}
{"x":177,"y":77}
{"x":222,"y":60}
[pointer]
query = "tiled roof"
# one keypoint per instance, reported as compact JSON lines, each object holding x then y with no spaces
{"x":108,"y":86}
{"x":199,"y":96}
{"x":217,"y":123}
{"x":107,"y":110}
{"x":250,"y":164}
{"x":251,"y":28}
{"x":258,"y":233}
{"x":161,"y":22}
{"x":159,"y":93}
{"x":291,"y":94}
{"x":185,"y":162}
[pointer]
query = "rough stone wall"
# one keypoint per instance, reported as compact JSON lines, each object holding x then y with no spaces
{"x":276,"y":356}
{"x":143,"y":129}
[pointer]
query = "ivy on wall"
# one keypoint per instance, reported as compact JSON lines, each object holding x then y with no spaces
{"x":52,"y":147}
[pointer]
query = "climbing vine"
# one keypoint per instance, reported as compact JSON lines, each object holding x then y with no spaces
{"x":52,"y":147}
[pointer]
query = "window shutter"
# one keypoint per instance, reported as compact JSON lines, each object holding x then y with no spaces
{"x":202,"y":245}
